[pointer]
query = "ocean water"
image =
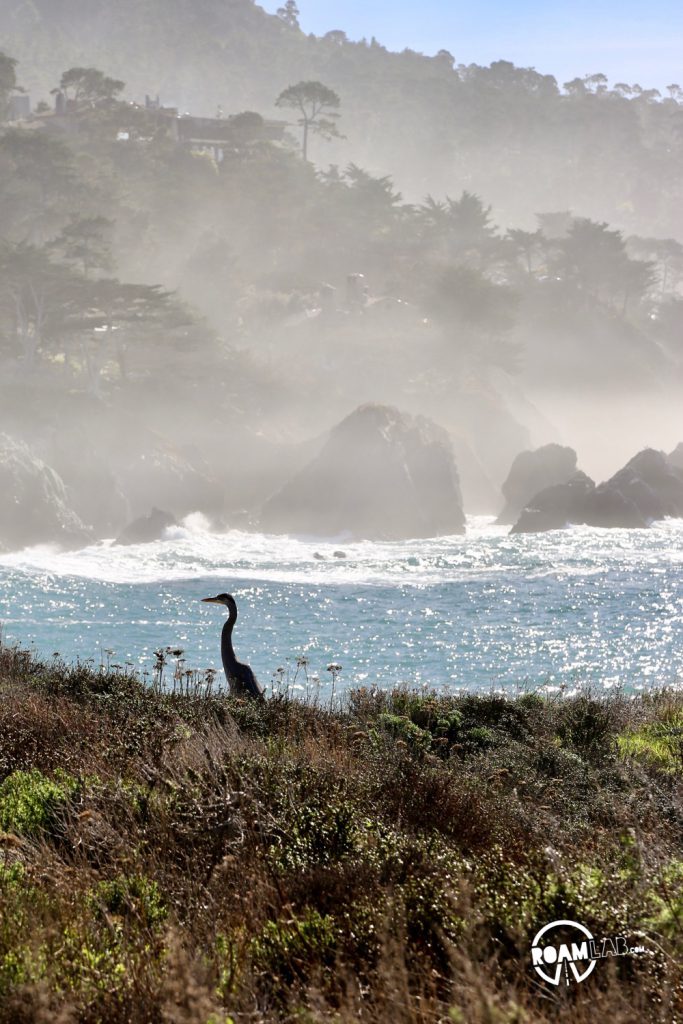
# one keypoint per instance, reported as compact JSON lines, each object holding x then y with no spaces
{"x":486,"y":611}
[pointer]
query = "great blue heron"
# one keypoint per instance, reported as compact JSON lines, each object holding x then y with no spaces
{"x":241,"y":679}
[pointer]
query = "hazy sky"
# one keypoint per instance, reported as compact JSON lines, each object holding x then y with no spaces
{"x":626,"y":40}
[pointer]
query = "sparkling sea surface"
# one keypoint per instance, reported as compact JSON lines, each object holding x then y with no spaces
{"x":484,"y":611}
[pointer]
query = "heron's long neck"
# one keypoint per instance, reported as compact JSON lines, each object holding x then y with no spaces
{"x":227,"y":651}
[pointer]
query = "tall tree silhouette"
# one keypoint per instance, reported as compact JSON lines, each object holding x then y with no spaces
{"x":317,"y":105}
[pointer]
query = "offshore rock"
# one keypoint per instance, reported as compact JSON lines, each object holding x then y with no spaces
{"x":533,"y":472}
{"x":381,"y":474}
{"x":648,"y":488}
{"x":653,"y":483}
{"x":556,"y":507}
{"x":608,"y":507}
{"x":676,"y":456}
{"x":147,"y":528}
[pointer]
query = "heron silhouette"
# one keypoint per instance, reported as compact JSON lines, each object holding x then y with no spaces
{"x":241,"y":678}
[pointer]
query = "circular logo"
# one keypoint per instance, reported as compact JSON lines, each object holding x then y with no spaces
{"x":562,"y":948}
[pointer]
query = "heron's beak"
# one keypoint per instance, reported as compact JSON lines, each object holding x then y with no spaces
{"x":212,"y":600}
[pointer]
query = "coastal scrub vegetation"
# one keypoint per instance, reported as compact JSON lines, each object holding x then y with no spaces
{"x":187,"y":856}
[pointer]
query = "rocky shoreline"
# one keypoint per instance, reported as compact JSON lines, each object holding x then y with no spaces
{"x":379,"y":474}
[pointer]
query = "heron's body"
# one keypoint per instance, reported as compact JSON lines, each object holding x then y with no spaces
{"x":240,"y":677}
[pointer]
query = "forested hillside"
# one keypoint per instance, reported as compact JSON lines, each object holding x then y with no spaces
{"x":610,"y":151}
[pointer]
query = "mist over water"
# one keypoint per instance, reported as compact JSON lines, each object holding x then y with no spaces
{"x":489,"y":610}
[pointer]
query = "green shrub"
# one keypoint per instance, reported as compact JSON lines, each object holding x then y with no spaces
{"x":132,"y":895}
{"x":660,"y":743}
{"x":480,"y":737}
{"x":290,"y":950}
{"x":402,"y":728}
{"x":11,"y":874}
{"x":19,"y":967}
{"x":318,"y":834}
{"x":30,"y":802}
{"x":666,"y":901}
{"x":556,"y":763}
{"x":587,"y":726}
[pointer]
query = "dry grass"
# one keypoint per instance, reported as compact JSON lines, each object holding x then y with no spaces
{"x":178,"y":857}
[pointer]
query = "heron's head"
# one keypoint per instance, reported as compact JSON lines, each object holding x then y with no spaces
{"x":227,"y":599}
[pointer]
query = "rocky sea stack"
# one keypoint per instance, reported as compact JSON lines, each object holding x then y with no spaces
{"x":647,"y":489}
{"x":381,"y":475}
{"x":532,"y":472}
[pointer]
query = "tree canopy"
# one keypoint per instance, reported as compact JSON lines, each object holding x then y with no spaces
{"x":317,"y":105}
{"x":89,"y":87}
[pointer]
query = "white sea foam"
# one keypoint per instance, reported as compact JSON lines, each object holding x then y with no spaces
{"x":486,"y":609}
{"x":191,"y":550}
